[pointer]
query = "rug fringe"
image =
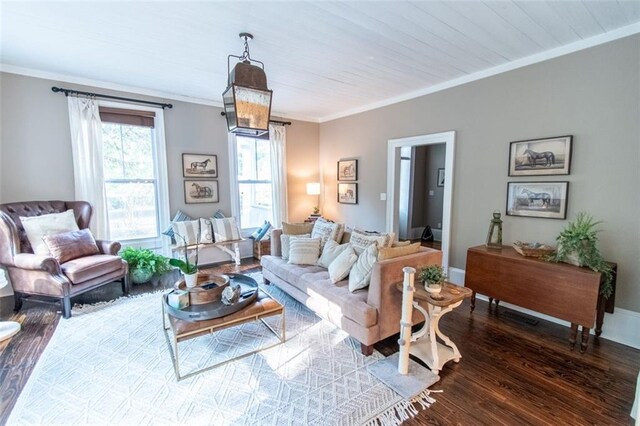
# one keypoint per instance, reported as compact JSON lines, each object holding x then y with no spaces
{"x":402,"y":411}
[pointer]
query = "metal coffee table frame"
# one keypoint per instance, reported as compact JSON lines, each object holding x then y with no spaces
{"x":172,"y":342}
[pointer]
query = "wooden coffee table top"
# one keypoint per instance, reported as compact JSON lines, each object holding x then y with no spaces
{"x":450,"y":294}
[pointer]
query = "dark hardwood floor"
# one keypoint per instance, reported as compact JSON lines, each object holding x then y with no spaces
{"x":512,"y":372}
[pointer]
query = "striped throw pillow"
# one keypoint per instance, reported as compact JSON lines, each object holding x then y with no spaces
{"x":304,"y":251}
{"x":179,"y":217}
{"x":186,"y":232}
{"x":360,"y":275}
{"x":218,"y":214}
{"x":285,"y":242}
{"x":225,"y":229}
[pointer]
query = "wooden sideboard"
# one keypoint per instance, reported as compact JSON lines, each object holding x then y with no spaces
{"x":559,"y":290}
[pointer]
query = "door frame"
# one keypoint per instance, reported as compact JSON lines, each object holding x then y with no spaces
{"x":393,"y":160}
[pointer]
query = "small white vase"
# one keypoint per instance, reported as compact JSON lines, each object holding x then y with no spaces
{"x":190,"y":280}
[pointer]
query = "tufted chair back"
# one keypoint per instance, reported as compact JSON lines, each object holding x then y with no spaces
{"x":16,"y":235}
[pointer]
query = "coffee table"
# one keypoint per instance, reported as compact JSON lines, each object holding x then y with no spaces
{"x":262,"y":307}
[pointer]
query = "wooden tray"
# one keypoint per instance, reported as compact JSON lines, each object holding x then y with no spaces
{"x":208,"y":289}
{"x":524,"y":250}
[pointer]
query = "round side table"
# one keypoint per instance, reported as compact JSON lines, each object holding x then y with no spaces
{"x":7,"y":328}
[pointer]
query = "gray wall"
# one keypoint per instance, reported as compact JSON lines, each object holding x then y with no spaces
{"x":36,"y":162}
{"x":427,"y":209}
{"x":593,"y":94}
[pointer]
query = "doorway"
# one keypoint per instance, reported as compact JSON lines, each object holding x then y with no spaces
{"x":410,"y":191}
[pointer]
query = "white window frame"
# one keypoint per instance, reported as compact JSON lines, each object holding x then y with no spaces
{"x":158,"y":243}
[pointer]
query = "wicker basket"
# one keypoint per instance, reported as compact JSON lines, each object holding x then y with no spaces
{"x":533,"y":250}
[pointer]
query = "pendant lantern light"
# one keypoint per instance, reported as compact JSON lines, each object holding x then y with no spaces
{"x":247,"y":99}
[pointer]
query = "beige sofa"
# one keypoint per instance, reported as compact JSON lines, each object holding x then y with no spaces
{"x":369,"y":315}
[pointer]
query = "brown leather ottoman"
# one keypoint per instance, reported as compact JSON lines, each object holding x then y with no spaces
{"x":263,"y":307}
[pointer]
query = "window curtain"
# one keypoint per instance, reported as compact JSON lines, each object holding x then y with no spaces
{"x":86,"y":145}
{"x":278,"y":145}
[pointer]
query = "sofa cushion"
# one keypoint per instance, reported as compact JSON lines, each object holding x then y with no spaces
{"x":90,"y":267}
{"x":360,"y":274}
{"x":37,"y":227}
{"x":304,"y":251}
{"x":71,"y":245}
{"x":332,"y":300}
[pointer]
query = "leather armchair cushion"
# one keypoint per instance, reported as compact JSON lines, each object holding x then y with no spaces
{"x":71,"y":245}
{"x":90,"y":267}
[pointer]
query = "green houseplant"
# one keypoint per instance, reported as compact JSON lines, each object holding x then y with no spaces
{"x":188,"y":269}
{"x":433,"y":277}
{"x":144,"y":264}
{"x":577,"y":245}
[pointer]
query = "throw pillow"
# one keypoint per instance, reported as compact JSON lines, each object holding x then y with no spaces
{"x":360,"y":274}
{"x":37,"y":227}
{"x":71,"y":245}
{"x":400,"y":243}
{"x":385,"y":253}
{"x":326,"y":230}
{"x":259,"y":233}
{"x":285,"y":243}
{"x":296,"y":228}
{"x":225,"y":229}
{"x":385,"y":239}
{"x":360,"y":242}
{"x":218,"y":214}
{"x":330,"y":252}
{"x":186,"y":232}
{"x":341,"y":265}
{"x":206,"y":231}
{"x":179,"y":217}
{"x":304,"y":251}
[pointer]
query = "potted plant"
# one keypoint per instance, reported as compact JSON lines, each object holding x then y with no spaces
{"x":144,"y":264}
{"x":433,"y":277}
{"x":188,"y":269}
{"x":577,"y":245}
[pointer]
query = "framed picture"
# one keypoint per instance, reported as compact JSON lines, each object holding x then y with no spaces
{"x":200,"y":191}
{"x":199,"y":166}
{"x":348,"y":193}
{"x":348,"y":170}
{"x":540,"y":157}
{"x":440,"y":177}
{"x":537,"y":199}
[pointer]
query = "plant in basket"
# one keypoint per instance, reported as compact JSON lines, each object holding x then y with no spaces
{"x":144,"y":264}
{"x":188,"y":269}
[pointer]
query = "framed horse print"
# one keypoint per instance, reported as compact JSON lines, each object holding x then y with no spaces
{"x":348,"y":170}
{"x":201,"y":191}
{"x":199,"y":166}
{"x":540,"y":157}
{"x":348,"y":193}
{"x":537,"y":199}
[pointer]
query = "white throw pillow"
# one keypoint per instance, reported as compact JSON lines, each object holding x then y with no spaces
{"x":326,"y":230}
{"x":341,"y":265}
{"x":206,"y":231}
{"x":285,"y":243}
{"x":37,"y":227}
{"x":225,"y":229}
{"x":330,"y":251}
{"x":360,"y":242}
{"x":186,"y":232}
{"x":360,"y":274}
{"x":304,"y":251}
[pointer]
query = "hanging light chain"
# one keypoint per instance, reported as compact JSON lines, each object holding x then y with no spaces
{"x":245,"y":54}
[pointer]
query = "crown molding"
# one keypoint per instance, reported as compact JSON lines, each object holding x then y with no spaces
{"x":616,"y":34}
{"x":65,"y":78}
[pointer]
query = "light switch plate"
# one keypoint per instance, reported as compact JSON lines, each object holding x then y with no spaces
{"x":383,"y":196}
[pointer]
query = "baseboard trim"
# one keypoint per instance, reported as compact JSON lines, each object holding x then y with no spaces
{"x":621,"y":327}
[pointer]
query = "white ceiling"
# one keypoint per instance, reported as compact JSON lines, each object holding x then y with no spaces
{"x":323,"y":59}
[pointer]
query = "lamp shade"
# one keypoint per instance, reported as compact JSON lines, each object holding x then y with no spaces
{"x":247,"y":101}
{"x":313,"y":188}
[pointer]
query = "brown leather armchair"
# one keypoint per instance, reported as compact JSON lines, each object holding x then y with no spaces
{"x":32,"y":274}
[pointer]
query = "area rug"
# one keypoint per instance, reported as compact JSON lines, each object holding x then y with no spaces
{"x":109,"y":364}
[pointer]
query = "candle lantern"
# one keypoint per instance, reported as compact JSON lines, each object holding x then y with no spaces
{"x":494,"y":237}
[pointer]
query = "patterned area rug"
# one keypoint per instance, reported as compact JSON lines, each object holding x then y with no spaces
{"x":109,"y":364}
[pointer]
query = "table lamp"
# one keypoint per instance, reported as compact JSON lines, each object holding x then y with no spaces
{"x":313,"y":188}
{"x":7,"y":328}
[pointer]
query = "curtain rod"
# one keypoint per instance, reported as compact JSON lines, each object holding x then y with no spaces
{"x":68,"y":92}
{"x":282,"y":123}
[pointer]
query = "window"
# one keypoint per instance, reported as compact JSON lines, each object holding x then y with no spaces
{"x":132,"y":174}
{"x":254,"y":181}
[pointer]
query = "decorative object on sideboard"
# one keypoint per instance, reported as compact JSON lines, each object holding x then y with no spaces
{"x":199,"y":166}
{"x":540,"y":157}
{"x":577,"y":245}
{"x":189,"y":270}
{"x":494,"y":236}
{"x":348,"y":170}
{"x":433,"y":277}
{"x":247,"y":99}
{"x":144,"y":264}
{"x":348,"y":193}
{"x":201,"y":191}
{"x":537,"y":199}
{"x":534,"y":249}
{"x":313,"y":188}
